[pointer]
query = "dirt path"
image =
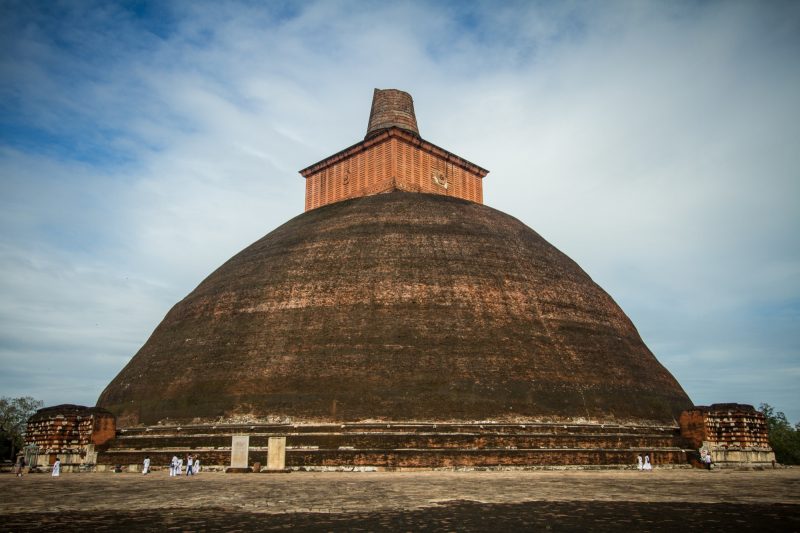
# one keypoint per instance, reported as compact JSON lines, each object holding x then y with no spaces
{"x":430,"y":501}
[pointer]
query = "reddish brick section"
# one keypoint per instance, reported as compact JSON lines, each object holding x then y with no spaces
{"x":733,"y":434}
{"x":391,"y":108}
{"x":392,"y":157}
{"x":392,"y":160}
{"x":69,"y":428}
{"x":103,"y":428}
{"x":693,"y":427}
{"x":397,"y":306}
{"x":725,"y":425}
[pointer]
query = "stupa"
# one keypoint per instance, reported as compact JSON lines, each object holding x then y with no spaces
{"x":396,"y":296}
{"x":398,"y":299}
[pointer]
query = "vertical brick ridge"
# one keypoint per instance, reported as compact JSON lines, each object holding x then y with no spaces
{"x":391,"y":107}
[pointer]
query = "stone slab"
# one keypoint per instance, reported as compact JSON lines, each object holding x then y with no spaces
{"x":240,"y":448}
{"x":276,"y":454}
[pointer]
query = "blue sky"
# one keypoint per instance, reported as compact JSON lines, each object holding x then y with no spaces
{"x":657,"y":144}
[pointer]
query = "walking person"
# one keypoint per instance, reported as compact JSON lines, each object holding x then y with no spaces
{"x":56,"y":468}
{"x":19,"y":466}
{"x":173,"y":465}
{"x":189,"y":465}
{"x":179,"y":467}
{"x":146,"y":466}
{"x":639,"y":462}
{"x":647,"y":465}
{"x":196,"y":465}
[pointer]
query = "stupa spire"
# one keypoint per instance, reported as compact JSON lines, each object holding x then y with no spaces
{"x":393,"y":156}
{"x":391,"y":107}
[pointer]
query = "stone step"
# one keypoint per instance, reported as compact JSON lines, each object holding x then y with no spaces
{"x":439,"y":428}
{"x":402,"y":441}
{"x":411,"y":458}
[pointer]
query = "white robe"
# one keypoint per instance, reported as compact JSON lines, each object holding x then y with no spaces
{"x":173,"y":465}
{"x":197,"y":466}
{"x":179,"y":467}
{"x":639,"y":463}
{"x":146,"y":467}
{"x":56,"y":469}
{"x":647,"y":465}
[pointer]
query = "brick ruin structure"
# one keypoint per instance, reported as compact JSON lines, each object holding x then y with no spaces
{"x":398,"y":323}
{"x":72,"y":433}
{"x":733,"y":433}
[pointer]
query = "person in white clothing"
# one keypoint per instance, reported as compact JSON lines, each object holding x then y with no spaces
{"x":179,"y":467}
{"x":56,"y":468}
{"x":647,"y":465}
{"x":146,"y":466}
{"x":173,"y":465}
{"x":196,"y":465}
{"x":639,"y":462}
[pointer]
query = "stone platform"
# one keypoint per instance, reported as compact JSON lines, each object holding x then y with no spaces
{"x":662,"y":500}
{"x":405,"y":446}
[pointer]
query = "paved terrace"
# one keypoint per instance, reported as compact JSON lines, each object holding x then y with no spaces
{"x":664,"y":500}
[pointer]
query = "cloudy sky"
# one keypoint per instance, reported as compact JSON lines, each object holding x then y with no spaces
{"x":657,"y":144}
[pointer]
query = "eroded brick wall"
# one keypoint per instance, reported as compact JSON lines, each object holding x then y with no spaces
{"x":731,"y":433}
{"x":406,"y":446}
{"x":725,"y":425}
{"x":391,"y":108}
{"x":69,"y":429}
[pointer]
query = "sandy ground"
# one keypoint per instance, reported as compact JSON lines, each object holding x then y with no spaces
{"x":663,"y":500}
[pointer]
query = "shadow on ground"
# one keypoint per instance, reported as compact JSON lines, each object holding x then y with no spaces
{"x":447,"y":516}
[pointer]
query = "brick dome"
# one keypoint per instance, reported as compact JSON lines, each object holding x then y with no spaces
{"x":397,"y":307}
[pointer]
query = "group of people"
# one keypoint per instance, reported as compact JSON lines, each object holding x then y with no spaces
{"x":643,"y":464}
{"x":19,"y":467}
{"x":176,"y":465}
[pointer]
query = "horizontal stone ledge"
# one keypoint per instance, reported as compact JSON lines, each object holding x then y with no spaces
{"x":279,"y":428}
{"x":401,"y":434}
{"x":484,"y":450}
{"x":395,"y":450}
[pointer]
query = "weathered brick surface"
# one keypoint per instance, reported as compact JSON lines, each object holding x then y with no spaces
{"x":401,"y":440}
{"x":433,"y":458}
{"x":392,"y":157}
{"x":418,"y":428}
{"x":732,"y":433}
{"x":391,"y":108}
{"x":407,"y":446}
{"x":69,"y":428}
{"x":392,"y":160}
{"x":397,"y":307}
{"x":725,"y":425}
{"x":408,"y":458}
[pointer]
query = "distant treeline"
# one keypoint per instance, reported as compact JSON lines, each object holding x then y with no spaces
{"x":783,"y":437}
